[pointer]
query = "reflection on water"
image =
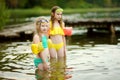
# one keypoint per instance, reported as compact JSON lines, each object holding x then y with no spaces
{"x":95,"y":38}
{"x":93,"y":57}
{"x":41,"y":75}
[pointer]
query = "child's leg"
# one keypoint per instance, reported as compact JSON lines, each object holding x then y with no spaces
{"x":60,"y":52}
{"x":52,"y":50}
{"x":40,"y":67}
{"x":53,"y":53}
{"x":45,"y":59}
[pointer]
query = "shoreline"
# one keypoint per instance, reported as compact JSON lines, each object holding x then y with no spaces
{"x":16,"y":33}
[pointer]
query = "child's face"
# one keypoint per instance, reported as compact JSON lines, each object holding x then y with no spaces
{"x":58,"y":15}
{"x":44,"y":27}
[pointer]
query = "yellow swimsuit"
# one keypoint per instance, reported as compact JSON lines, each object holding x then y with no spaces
{"x":57,"y":30}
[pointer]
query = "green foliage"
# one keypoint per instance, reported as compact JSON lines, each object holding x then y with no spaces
{"x":4,"y":14}
{"x":22,"y":3}
{"x":48,"y":3}
{"x":63,"y":3}
{"x":37,"y":11}
{"x":23,"y":13}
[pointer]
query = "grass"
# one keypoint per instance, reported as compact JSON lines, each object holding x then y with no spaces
{"x":23,"y":13}
{"x":19,"y":15}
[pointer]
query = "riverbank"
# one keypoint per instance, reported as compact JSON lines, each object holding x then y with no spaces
{"x":25,"y":31}
{"x":17,"y":32}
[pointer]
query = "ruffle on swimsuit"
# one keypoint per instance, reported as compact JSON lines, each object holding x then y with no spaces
{"x":56,"y":30}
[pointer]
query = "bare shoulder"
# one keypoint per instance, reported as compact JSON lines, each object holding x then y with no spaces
{"x":36,"y":38}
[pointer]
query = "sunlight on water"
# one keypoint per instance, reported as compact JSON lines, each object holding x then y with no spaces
{"x":92,"y":58}
{"x":95,"y":63}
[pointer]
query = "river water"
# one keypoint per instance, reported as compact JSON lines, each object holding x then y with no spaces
{"x":92,"y":57}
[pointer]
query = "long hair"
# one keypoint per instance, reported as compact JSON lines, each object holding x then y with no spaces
{"x":53,"y":10}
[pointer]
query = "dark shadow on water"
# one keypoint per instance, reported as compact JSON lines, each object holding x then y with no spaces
{"x":94,"y":38}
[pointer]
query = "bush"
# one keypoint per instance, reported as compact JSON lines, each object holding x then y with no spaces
{"x":4,"y":14}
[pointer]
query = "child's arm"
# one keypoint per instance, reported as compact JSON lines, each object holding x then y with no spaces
{"x":36,"y":39}
{"x":34,"y":45}
{"x":64,"y":40}
{"x":44,"y":60}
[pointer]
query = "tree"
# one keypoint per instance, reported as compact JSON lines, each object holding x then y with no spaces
{"x":48,"y":4}
{"x":12,"y":3}
{"x":108,"y":3}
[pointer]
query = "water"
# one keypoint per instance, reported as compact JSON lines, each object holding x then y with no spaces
{"x":92,"y":57}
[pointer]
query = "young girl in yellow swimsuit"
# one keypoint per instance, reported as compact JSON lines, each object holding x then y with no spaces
{"x":56,"y":33}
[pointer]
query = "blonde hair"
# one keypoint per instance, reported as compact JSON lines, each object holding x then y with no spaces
{"x":38,"y":23}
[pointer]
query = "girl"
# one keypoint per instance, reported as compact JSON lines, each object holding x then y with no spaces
{"x":56,"y":33}
{"x":40,"y":46}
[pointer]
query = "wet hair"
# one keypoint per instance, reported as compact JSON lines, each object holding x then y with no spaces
{"x":53,"y":10}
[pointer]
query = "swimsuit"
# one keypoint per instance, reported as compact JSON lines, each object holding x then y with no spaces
{"x":57,"y":30}
{"x":58,"y":46}
{"x":38,"y":61}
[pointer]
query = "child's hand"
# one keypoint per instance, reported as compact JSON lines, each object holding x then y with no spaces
{"x":45,"y":66}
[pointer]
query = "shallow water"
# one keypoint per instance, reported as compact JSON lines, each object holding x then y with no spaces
{"x":91,"y":57}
